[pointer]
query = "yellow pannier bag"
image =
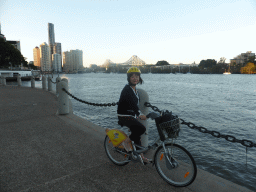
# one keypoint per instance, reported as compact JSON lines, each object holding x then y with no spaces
{"x":116,"y":136}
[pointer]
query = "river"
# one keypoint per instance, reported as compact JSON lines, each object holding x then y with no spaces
{"x":223,"y":103}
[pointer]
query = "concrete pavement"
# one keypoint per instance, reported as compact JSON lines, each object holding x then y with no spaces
{"x":42,"y":151}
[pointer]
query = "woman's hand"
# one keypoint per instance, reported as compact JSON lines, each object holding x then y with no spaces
{"x":143,"y":117}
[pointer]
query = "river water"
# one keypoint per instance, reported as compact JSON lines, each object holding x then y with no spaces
{"x":223,"y":103}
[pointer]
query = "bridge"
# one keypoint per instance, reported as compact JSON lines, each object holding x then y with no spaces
{"x":134,"y":60}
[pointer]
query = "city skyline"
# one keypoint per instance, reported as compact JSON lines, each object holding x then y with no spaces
{"x":175,"y":31}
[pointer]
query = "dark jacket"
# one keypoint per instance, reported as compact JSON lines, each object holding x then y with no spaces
{"x":128,"y":102}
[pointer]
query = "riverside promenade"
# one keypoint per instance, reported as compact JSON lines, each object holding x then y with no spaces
{"x":43,"y":151}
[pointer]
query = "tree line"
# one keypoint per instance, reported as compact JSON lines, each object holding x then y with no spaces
{"x":10,"y":56}
{"x":209,"y":66}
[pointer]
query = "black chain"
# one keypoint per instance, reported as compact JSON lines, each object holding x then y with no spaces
{"x":53,"y":82}
{"x":88,"y":103}
{"x":244,"y":142}
{"x":217,"y":134}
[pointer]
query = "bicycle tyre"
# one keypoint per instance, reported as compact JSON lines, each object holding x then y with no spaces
{"x":182,"y":175}
{"x":115,"y":154}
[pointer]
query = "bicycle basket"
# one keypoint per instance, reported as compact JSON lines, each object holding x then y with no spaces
{"x":171,"y":128}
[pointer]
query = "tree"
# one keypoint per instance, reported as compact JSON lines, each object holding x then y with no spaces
{"x":248,"y":69}
{"x":10,"y":56}
{"x":32,"y":66}
{"x":209,"y":63}
{"x":222,"y":60}
{"x":161,"y":63}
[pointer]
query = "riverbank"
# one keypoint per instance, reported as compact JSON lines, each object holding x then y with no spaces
{"x":41,"y":151}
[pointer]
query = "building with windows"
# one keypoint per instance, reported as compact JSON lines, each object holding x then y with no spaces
{"x":57,"y":49}
{"x":36,"y":54}
{"x":243,"y":58}
{"x":67,"y":67}
{"x":72,"y":61}
{"x":56,"y":63}
{"x":45,"y":57}
{"x":51,"y":37}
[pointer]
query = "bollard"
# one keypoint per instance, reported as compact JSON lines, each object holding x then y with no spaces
{"x":44,"y":82}
{"x":19,"y":80}
{"x":63,"y":100}
{"x":58,"y":79}
{"x":144,"y":98}
{"x":32,"y":82}
{"x":49,"y":83}
{"x":4,"y":80}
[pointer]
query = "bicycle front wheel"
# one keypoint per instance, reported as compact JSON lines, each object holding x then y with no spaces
{"x":117,"y":155}
{"x":181,"y":170}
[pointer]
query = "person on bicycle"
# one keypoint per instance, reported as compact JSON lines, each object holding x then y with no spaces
{"x":128,"y":110}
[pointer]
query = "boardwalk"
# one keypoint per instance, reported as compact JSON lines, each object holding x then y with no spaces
{"x":41,"y":151}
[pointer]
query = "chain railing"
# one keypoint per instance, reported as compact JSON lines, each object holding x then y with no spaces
{"x":216,"y":134}
{"x":88,"y":103}
{"x":53,"y":82}
{"x":230,"y":138}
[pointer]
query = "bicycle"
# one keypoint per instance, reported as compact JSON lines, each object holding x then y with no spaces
{"x":173,"y":162}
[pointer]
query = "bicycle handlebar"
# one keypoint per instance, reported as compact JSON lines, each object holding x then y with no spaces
{"x":153,"y":115}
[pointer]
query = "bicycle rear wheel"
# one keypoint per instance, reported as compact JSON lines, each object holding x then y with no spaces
{"x":181,"y":171}
{"x":117,"y":155}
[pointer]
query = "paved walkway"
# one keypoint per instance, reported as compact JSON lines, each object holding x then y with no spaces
{"x":41,"y":151}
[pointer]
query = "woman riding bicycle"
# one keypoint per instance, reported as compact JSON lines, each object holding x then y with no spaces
{"x":128,"y":110}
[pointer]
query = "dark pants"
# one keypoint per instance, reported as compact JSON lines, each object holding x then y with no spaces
{"x":137,"y":129}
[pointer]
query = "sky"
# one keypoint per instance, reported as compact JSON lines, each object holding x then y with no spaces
{"x":177,"y":31}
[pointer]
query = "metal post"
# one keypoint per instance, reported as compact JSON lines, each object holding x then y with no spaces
{"x":32,"y":82}
{"x":44,"y":82}
{"x":49,"y":83}
{"x":19,"y":80}
{"x":63,"y":100}
{"x":144,"y":98}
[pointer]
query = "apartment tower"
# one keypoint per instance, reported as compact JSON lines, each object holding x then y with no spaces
{"x":56,"y":63}
{"x":72,"y":61}
{"x":51,"y":37}
{"x":36,"y":54}
{"x":45,"y":57}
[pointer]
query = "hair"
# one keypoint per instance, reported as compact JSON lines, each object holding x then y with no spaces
{"x":136,"y":73}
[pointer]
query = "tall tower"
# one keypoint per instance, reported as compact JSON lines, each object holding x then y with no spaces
{"x":36,"y":53}
{"x":57,"y":49}
{"x":56,"y":62}
{"x":51,"y":37}
{"x":45,"y":57}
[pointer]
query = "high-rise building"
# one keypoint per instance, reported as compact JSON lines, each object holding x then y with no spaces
{"x":36,"y":54}
{"x":51,"y":37}
{"x":56,"y":63}
{"x":67,"y":67}
{"x":45,"y":57}
{"x":57,"y":49}
{"x":72,"y":61}
{"x":77,"y":59}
